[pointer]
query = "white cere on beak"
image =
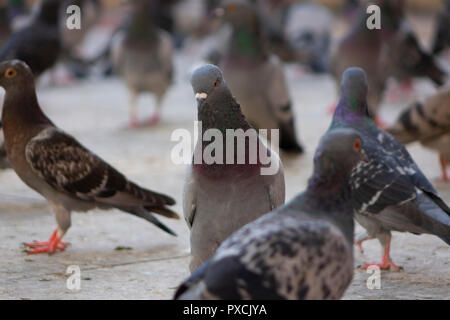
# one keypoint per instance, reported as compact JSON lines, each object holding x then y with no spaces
{"x":201,"y":96}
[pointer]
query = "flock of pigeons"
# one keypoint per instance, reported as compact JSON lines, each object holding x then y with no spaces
{"x":245,"y":242}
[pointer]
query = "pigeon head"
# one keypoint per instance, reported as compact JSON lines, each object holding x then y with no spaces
{"x":15,"y":74}
{"x":206,"y":81}
{"x":354,"y":90}
{"x":339,"y":151}
{"x":216,"y":106}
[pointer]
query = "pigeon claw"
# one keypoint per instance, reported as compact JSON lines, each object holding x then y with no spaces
{"x":380,"y":123}
{"x":53,"y":244}
{"x":331,"y":108}
{"x":385,"y":264}
{"x":153,"y":120}
{"x":134,"y":122}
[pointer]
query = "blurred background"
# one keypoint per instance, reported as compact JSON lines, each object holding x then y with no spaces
{"x":88,"y":83}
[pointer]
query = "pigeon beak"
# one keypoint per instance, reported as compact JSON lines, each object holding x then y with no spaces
{"x":201,"y":96}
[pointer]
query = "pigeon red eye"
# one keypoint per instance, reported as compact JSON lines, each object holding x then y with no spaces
{"x":10,"y":73}
{"x":216,"y":83}
{"x":357,"y":145}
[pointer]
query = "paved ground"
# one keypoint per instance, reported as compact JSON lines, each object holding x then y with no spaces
{"x":123,"y":257}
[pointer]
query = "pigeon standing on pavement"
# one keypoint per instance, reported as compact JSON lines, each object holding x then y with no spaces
{"x":57,"y":166}
{"x":220,"y":197}
{"x":142,"y":55}
{"x":38,"y":43}
{"x":255,"y":76}
{"x":390,"y":192}
{"x":363,"y":47}
{"x":429,"y":123}
{"x":302,"y":250}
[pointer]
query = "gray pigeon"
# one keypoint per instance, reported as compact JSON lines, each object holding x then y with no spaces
{"x":219,"y":198}
{"x":364,"y":48}
{"x":142,"y":55}
{"x":56,"y":165}
{"x":390,"y":192}
{"x":38,"y":43}
{"x":255,"y":76}
{"x":302,"y":250}
{"x":429,"y":123}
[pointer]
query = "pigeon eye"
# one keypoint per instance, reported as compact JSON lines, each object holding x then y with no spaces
{"x":10,"y":73}
{"x":216,"y":83}
{"x":357,"y":145}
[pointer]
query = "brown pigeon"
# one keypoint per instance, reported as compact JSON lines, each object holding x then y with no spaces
{"x":57,"y":166}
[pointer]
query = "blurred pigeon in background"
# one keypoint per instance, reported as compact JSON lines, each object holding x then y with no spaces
{"x":363,"y":47}
{"x":302,"y":250}
{"x":441,"y":39}
{"x":405,"y":59}
{"x":221,"y":197}
{"x":390,"y":192}
{"x":57,"y":166}
{"x":256,"y":77}
{"x":429,"y":123}
{"x":142,"y":56}
{"x":298,"y":32}
{"x":38,"y":43}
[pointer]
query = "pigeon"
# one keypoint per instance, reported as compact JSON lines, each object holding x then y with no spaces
{"x":220,"y":197}
{"x":364,"y":48}
{"x":390,"y":192}
{"x":429,"y":123}
{"x":38,"y":43}
{"x":302,"y":250}
{"x":441,"y":39}
{"x":142,"y":55}
{"x":298,"y":32}
{"x":57,"y":166}
{"x":404,"y":58}
{"x":256,"y":77}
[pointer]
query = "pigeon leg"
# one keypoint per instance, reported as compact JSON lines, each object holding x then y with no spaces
{"x":386,"y":262}
{"x":331,"y":108}
{"x":134,"y":121}
{"x":360,"y":238}
{"x":156,"y":116}
{"x":444,"y":165}
{"x":380,"y":123}
{"x":54,"y":243}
